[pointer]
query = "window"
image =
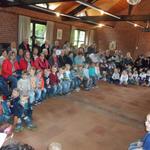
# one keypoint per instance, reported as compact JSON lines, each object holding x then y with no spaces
{"x":79,"y":37}
{"x":38,"y":32}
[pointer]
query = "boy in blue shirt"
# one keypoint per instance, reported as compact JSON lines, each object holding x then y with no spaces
{"x":92,"y":74}
{"x":21,"y":110}
{"x":144,"y":143}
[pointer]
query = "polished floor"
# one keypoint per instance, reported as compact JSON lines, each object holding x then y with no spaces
{"x":106,"y":118}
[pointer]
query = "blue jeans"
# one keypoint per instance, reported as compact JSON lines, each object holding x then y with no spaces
{"x":40,"y":94}
{"x":31,"y":96}
{"x":75,"y":83}
{"x":25,"y":119}
{"x":43,"y":95}
{"x":65,"y":86}
{"x":134,"y":146}
{"x":55,"y":90}
{"x":93,"y":81}
{"x":4,"y":118}
{"x":87,"y":83}
{"x":4,"y":87}
{"x":13,"y":81}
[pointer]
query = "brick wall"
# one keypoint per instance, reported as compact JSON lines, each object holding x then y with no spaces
{"x":128,"y":37}
{"x":66,"y":29}
{"x":8,"y":27}
{"x":125,"y":36}
{"x":9,"y":23}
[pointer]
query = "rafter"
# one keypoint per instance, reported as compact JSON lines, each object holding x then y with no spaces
{"x":80,"y":8}
{"x":29,"y":2}
{"x":122,"y":18}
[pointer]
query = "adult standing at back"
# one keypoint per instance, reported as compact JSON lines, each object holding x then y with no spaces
{"x":46,"y":45}
{"x":91,"y":49}
{"x":55,"y":46}
{"x":25,"y":45}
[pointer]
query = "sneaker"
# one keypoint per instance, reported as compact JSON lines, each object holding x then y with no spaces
{"x":77,"y":89}
{"x":19,"y":129}
{"x":31,"y":127}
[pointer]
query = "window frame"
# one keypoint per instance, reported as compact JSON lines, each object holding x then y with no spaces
{"x":33,"y":37}
{"x":78,"y":41}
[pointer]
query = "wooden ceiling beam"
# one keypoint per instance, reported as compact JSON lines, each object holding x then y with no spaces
{"x":123,"y":18}
{"x":80,"y":8}
{"x":7,"y":3}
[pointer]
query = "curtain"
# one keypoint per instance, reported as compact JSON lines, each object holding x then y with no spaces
{"x":91,"y":37}
{"x":23,"y":28}
{"x":50,"y":31}
{"x":87,"y":37}
{"x":72,"y":34}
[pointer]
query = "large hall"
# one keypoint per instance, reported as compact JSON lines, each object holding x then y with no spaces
{"x":74,"y":75}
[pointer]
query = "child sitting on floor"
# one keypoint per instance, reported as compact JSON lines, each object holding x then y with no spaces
{"x":32,"y":79}
{"x":135,"y":76}
{"x":64,"y":83}
{"x":115,"y":76}
{"x":87,"y":82}
{"x":20,"y":109}
{"x":144,"y":143}
{"x":54,"y":82}
{"x":24,"y":84}
{"x":92,"y":74}
{"x":124,"y":78}
{"x":142,"y":78}
{"x":47,"y":81}
{"x":40,"y":92}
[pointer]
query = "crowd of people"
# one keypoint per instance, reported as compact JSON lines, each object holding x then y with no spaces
{"x":28,"y":77}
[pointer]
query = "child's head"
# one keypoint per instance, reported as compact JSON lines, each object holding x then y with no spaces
{"x":97,"y":64}
{"x":24,"y":74}
{"x":61,"y":70}
{"x":42,"y":56}
{"x":75,"y":67}
{"x":124,"y":72}
{"x":32,"y":71}
{"x":116,"y":70}
{"x":130,"y":73}
{"x":54,"y":69}
{"x":39,"y":73}
{"x":46,"y":72}
{"x":147,"y":123}
{"x":141,"y":70}
{"x":23,"y":99}
{"x":80,"y":67}
{"x":20,"y":52}
{"x":15,"y":93}
{"x":86,"y":66}
{"x":67,"y":67}
{"x":135,"y":72}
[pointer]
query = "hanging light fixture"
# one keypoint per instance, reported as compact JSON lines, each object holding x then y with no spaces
{"x":133,"y":2}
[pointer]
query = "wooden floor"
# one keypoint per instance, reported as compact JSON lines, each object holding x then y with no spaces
{"x":106,"y":118}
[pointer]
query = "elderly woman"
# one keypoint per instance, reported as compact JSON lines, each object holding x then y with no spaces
{"x":10,"y":67}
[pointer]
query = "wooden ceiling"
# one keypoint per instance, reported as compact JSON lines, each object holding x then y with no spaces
{"x":73,"y":8}
{"x":112,"y":6}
